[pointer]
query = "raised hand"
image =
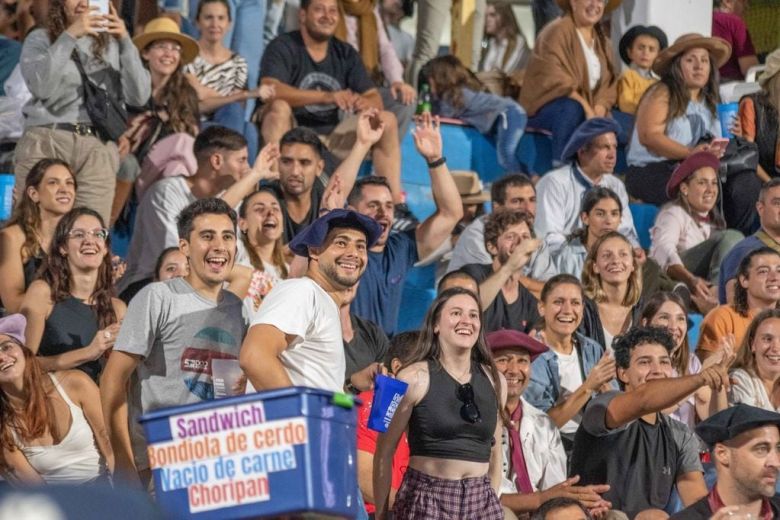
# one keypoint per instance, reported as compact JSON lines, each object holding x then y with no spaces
{"x":266,"y":159}
{"x":522,"y":253}
{"x":369,"y":127}
{"x":113,"y":24}
{"x":716,"y":376}
{"x":87,"y":23}
{"x":333,"y":198}
{"x":727,"y":346}
{"x":427,"y":137}
{"x":601,"y":374}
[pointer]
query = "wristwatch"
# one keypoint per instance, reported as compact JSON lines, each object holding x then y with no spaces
{"x":350,"y":388}
{"x":438,"y":162}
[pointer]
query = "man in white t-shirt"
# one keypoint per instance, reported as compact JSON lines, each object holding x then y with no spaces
{"x":295,"y":337}
{"x":223,"y":171}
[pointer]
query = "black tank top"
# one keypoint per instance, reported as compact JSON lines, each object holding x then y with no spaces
{"x":71,"y":325}
{"x":436,"y":427}
{"x":30,"y":269}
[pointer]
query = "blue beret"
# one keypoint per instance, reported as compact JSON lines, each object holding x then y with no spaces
{"x":315,"y":233}
{"x":587,"y":132}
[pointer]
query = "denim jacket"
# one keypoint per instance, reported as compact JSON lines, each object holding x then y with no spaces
{"x":544,"y":390}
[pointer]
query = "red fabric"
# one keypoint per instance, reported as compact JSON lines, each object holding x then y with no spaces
{"x":366,"y":441}
{"x":732,"y":28}
{"x":715,"y":503}
{"x":522,"y":480}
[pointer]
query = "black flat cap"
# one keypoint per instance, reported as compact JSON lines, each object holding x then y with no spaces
{"x":731,"y":422}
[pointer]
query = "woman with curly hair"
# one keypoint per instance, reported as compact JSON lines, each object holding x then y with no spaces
{"x":72,"y":316}
{"x":49,"y":193}
{"x":57,"y":124}
{"x":51,"y":425}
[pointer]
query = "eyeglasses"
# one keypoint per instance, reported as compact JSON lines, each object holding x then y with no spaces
{"x":172,"y":47}
{"x":469,"y":411}
{"x":80,"y":234}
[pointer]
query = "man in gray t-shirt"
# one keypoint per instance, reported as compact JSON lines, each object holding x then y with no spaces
{"x":625,"y":441}
{"x":171,"y":333}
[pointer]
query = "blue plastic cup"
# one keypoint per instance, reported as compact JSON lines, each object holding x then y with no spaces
{"x":727,"y":113}
{"x":6,"y":195}
{"x":388,"y":393}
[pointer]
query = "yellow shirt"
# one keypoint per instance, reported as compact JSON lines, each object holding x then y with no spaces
{"x":631,"y":85}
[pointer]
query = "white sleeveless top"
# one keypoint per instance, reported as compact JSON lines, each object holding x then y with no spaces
{"x":76,"y":459}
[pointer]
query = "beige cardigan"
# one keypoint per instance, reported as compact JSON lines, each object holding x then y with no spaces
{"x":558,"y":67}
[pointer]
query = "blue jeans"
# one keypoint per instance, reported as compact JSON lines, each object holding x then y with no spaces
{"x":510,"y":127}
{"x":560,"y":116}
{"x":244,"y":37}
{"x":232,"y":116}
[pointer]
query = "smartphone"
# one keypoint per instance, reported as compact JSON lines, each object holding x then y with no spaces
{"x":718,"y":145}
{"x":102,"y":10}
{"x":102,"y":6}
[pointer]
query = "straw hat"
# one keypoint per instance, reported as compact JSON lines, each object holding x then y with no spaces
{"x":719,"y":48}
{"x":772,"y":68}
{"x":166,"y":29}
{"x":470,"y":187}
{"x":611,"y":5}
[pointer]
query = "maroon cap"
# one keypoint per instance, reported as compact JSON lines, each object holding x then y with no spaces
{"x":687,"y":168}
{"x":507,"y":338}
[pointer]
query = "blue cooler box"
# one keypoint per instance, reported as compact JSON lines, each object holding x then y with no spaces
{"x":287,"y":451}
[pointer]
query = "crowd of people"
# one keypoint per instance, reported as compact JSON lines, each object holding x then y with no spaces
{"x":553,"y":375}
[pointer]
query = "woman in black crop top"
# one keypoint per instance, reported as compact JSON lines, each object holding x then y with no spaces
{"x":49,"y":192}
{"x":72,"y":316}
{"x":452,"y":410}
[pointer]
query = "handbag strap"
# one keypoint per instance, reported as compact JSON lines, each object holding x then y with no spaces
{"x":86,"y":79}
{"x":75,"y":56}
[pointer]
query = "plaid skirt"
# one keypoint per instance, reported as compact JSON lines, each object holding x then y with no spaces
{"x":424,"y":497}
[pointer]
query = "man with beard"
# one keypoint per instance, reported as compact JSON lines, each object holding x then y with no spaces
{"x":170,"y":333}
{"x":625,"y":441}
{"x":302,"y":182}
{"x":534,"y":459}
{"x":321,"y":83}
{"x":379,"y":294}
{"x":507,"y":303}
{"x":745,"y":447}
{"x":295,"y":337}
